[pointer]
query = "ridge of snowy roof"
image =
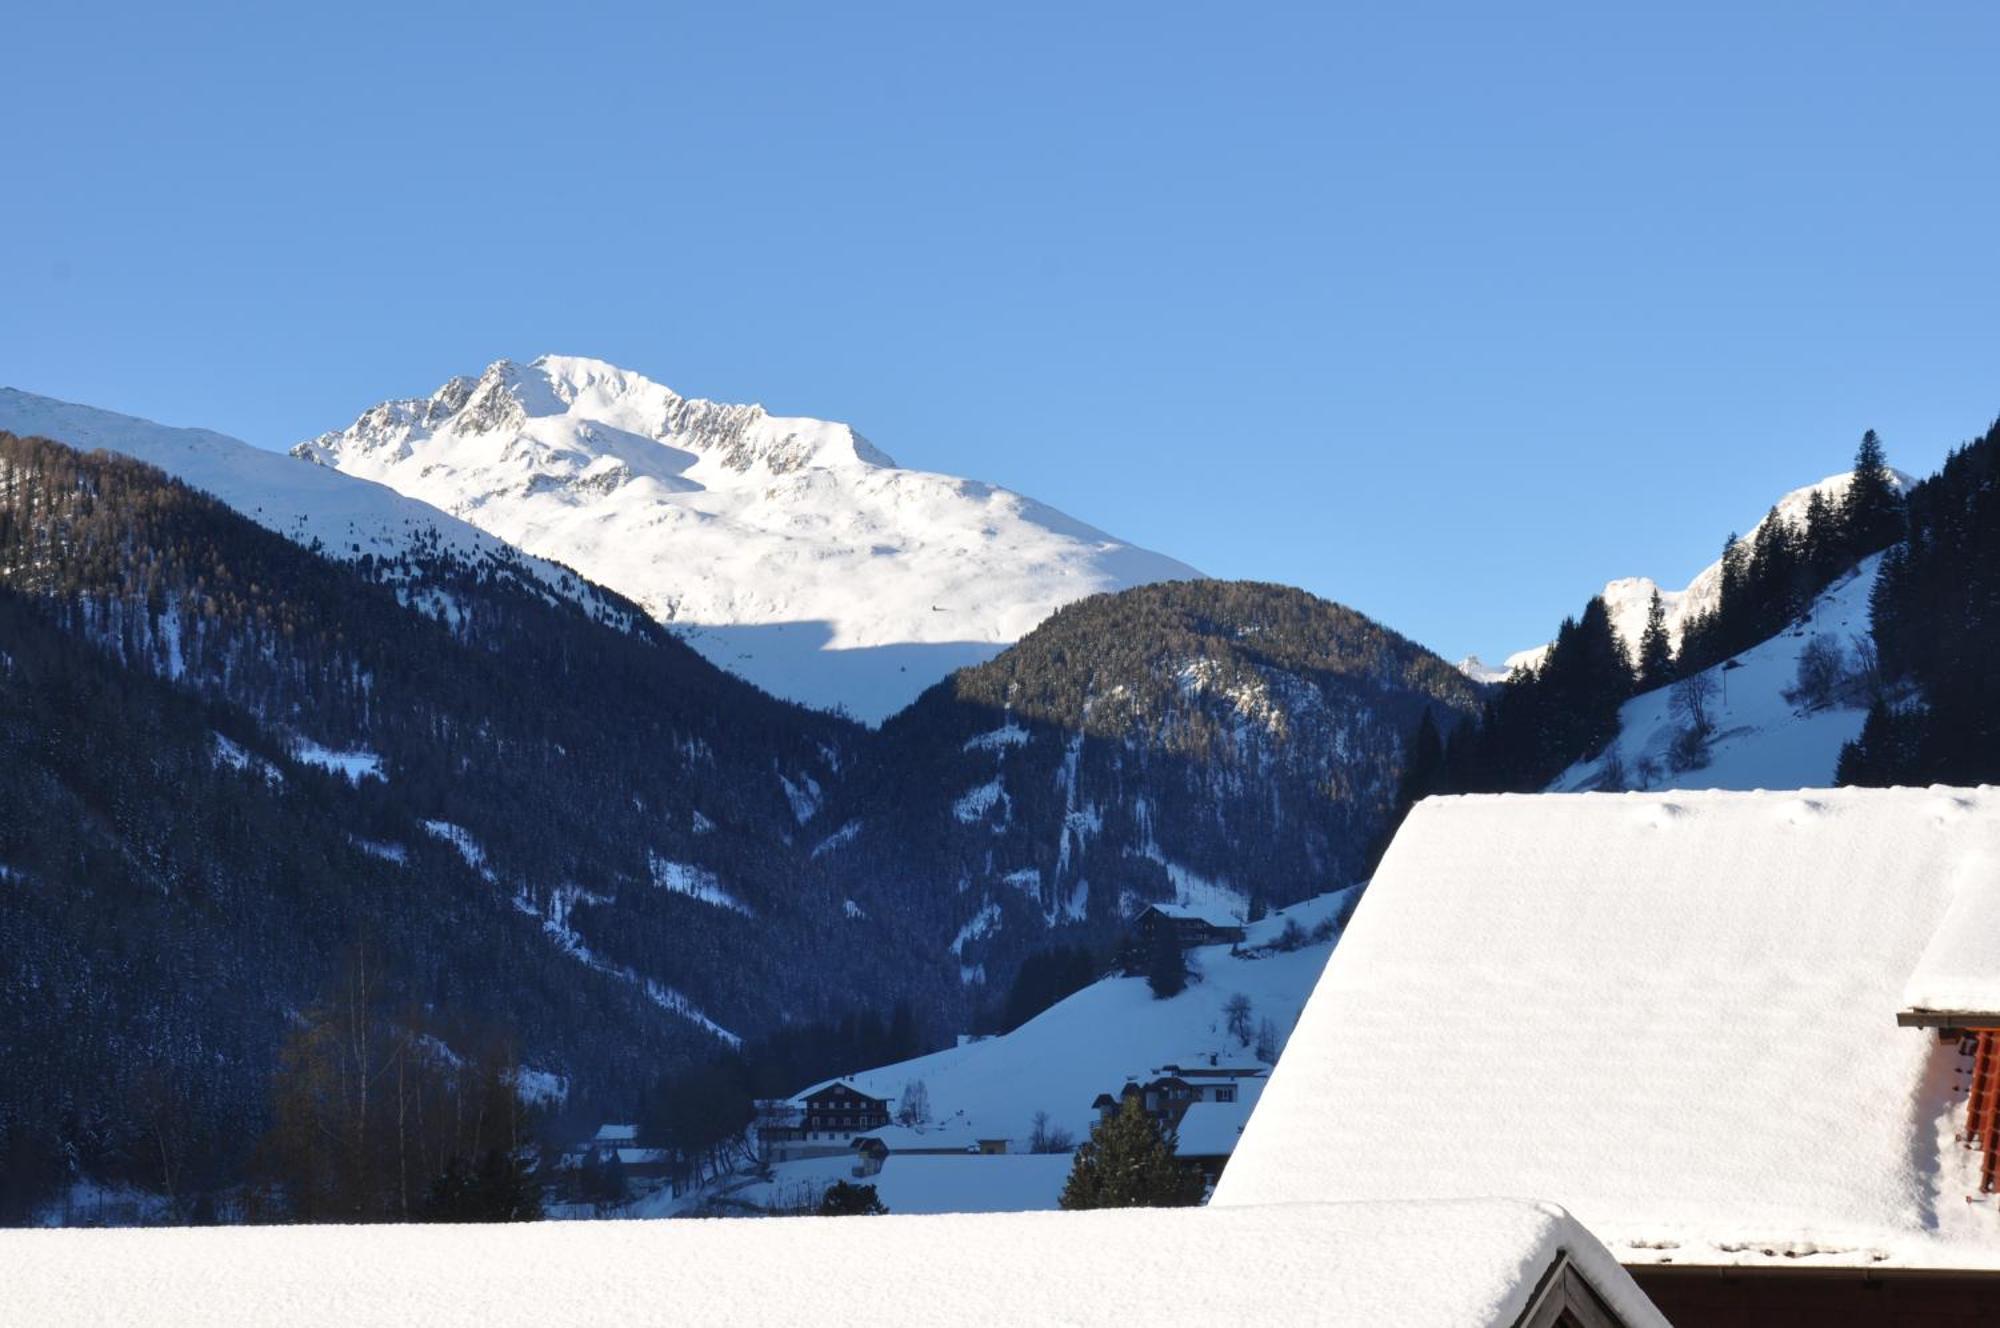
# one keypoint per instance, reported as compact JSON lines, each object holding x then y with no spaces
{"x":1674,"y":1012}
{"x":1475,"y":1264}
{"x":843,"y":1081}
{"x":1189,"y":911}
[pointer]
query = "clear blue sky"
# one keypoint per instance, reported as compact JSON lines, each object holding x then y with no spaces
{"x":1447,"y":312}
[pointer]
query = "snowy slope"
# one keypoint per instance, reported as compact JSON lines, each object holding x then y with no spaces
{"x":1112,"y":1031}
{"x":1628,"y":598}
{"x":1091,"y":1042}
{"x":347,"y":517}
{"x":791,"y":551}
{"x":1761,"y":739}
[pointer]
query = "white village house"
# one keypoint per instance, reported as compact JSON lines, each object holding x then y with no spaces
{"x":1746,"y":1037}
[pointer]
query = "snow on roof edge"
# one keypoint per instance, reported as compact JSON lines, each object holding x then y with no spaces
{"x":1473,"y":1263}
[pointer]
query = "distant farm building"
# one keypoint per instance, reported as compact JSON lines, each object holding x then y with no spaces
{"x":1170,"y":1090}
{"x":828,"y":1120}
{"x":1187,"y":926}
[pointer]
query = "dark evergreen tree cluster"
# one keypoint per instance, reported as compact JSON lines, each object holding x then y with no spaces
{"x":791,"y":1057}
{"x":1252,"y":734}
{"x":1936,"y":614}
{"x":699,"y":1115}
{"x":176,"y":878}
{"x":1044,"y":978}
{"x":1770,"y":580}
{"x":1542,"y":720}
{"x":846,"y":1199}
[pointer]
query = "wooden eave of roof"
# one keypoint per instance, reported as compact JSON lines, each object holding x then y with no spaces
{"x":1564,"y":1298}
{"x":1961,"y":1019}
{"x":1873,"y":1272}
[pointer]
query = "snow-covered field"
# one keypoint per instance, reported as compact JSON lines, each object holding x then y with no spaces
{"x":1761,"y":740}
{"x":908,"y":1183}
{"x":790,"y":551}
{"x":1112,"y":1031}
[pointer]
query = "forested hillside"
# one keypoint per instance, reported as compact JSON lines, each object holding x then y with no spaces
{"x":244,"y":773}
{"x":1565,"y":709}
{"x":582,"y":838}
{"x":1937,"y":631}
{"x":1226,"y":743}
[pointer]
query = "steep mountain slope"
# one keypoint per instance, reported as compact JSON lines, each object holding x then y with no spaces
{"x":1628,"y":598}
{"x":585,"y":836}
{"x":1765,"y":735}
{"x":176,"y":885}
{"x":1225,"y":743}
{"x":790,"y":551}
{"x":1937,"y":632}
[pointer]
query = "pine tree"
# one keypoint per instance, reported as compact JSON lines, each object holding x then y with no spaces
{"x":1728,"y":635}
{"x":1872,"y":512}
{"x":1656,"y":652}
{"x":1821,"y":542}
{"x":1129,"y":1162}
{"x":1771,"y":584}
{"x":1166,"y":965}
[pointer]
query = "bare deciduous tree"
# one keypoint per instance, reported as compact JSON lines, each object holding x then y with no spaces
{"x":1822,"y":670}
{"x":1692,"y":700}
{"x":914,"y":1106}
{"x":1238,"y":1014}
{"x":1267,"y":1041}
{"x":1046,"y":1137}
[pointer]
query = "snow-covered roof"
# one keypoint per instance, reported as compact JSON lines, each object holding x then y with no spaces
{"x":953,"y":1134}
{"x":846,"y":1081}
{"x":615,"y":1134}
{"x":1211,"y":1129}
{"x":1959,"y":971}
{"x":1674,"y":1013}
{"x":1214,"y":917}
{"x":1364,"y":1265}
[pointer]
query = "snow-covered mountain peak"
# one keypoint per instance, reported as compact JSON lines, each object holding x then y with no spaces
{"x":791,"y":550}
{"x":539,"y":414}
